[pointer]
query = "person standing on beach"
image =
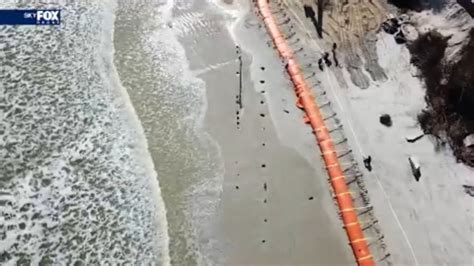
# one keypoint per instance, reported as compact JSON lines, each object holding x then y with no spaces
{"x":368,"y":163}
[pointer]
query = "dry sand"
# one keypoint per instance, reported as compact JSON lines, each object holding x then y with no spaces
{"x":275,"y":207}
{"x":424,"y":223}
{"x":435,"y":213}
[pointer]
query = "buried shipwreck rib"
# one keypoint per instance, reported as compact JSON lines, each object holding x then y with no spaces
{"x":306,"y":100}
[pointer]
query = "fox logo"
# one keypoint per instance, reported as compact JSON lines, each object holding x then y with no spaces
{"x":47,"y":17}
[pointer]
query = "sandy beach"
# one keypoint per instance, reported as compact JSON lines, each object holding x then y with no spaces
{"x":423,"y":223}
{"x":243,"y":184}
{"x":241,"y":175}
{"x":167,"y":132}
{"x":275,"y":206}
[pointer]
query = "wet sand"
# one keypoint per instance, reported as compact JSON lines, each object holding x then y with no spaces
{"x":275,"y":206}
{"x":241,"y":185}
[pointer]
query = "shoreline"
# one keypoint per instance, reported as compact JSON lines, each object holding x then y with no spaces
{"x":260,"y":195}
{"x":166,"y":96}
{"x":142,"y":152}
{"x":238,"y":210}
{"x":77,"y":186}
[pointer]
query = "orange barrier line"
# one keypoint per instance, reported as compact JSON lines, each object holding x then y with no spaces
{"x":313,"y":116}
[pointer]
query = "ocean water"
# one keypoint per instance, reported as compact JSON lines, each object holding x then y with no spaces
{"x":171,"y":103}
{"x":77,"y":184}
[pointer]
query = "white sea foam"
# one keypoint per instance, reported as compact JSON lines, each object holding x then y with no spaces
{"x":187,"y":92}
{"x":77,"y":184}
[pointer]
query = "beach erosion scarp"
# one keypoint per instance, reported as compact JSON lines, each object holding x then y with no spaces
{"x":405,"y":209}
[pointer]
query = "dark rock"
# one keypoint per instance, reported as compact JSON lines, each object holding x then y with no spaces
{"x":5,"y":256}
{"x":390,"y":26}
{"x":400,"y":38}
{"x":394,"y":21}
{"x":386,"y":120}
{"x":469,"y":190}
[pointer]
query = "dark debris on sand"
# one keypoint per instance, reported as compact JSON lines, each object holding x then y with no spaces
{"x":418,"y":5}
{"x":386,"y":120}
{"x":449,"y":115}
{"x":469,"y":190}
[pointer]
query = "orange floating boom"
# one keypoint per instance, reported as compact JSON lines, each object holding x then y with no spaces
{"x":306,"y":100}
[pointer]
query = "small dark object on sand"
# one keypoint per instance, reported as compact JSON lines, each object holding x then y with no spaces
{"x":390,"y":26}
{"x":368,"y":163}
{"x":334,"y":56}
{"x":394,"y":21}
{"x":286,"y":111}
{"x":400,"y":38}
{"x":328,"y":62}
{"x":415,"y":168}
{"x":320,"y":64}
{"x":308,"y":11}
{"x":326,"y":59}
{"x":386,"y":120}
{"x":414,"y":139}
{"x":311,"y":198}
{"x":469,"y":190}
